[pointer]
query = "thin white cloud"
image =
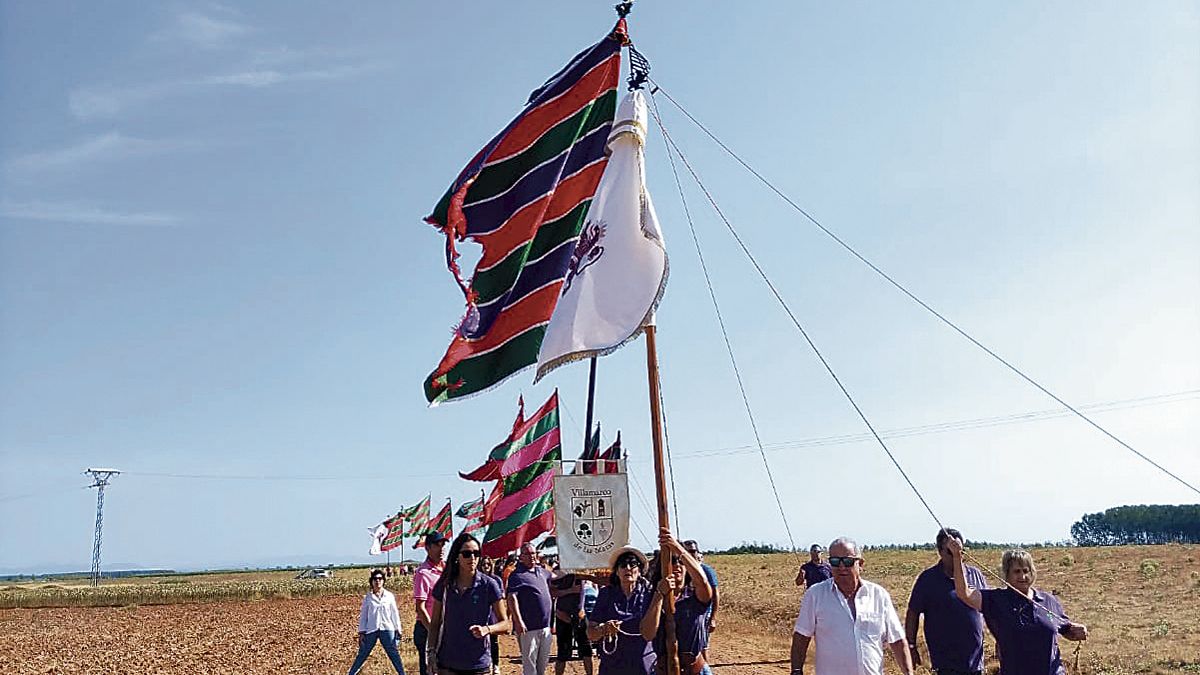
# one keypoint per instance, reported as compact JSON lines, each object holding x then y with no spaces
{"x":106,"y":147}
{"x":202,"y":30}
{"x":109,"y":101}
{"x":83,"y":215}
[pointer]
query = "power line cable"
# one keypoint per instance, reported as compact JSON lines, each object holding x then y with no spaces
{"x":824,"y":362}
{"x":947,"y":427}
{"x":903,"y":289}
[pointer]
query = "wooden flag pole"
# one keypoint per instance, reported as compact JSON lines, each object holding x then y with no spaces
{"x":660,"y":484}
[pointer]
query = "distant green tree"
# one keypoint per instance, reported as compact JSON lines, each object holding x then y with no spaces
{"x":1139,"y":524}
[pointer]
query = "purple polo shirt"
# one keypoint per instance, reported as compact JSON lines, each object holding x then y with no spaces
{"x":632,"y":655}
{"x":815,"y":573}
{"x":531,"y":587}
{"x":460,"y":610}
{"x":953,"y":630}
{"x":1026,"y":634}
{"x":691,"y":624}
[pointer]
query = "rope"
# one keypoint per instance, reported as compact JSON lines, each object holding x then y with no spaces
{"x":724,"y":333}
{"x":821,"y":357}
{"x":903,"y":289}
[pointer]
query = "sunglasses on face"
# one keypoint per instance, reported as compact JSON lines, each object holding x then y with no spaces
{"x":468,"y":554}
{"x":842,"y":560}
{"x":629,"y":563}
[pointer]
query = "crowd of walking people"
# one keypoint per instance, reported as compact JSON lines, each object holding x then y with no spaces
{"x":462,"y":602}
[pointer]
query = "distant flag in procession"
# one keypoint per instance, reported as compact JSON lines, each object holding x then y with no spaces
{"x":523,"y":198}
{"x":587,"y":461}
{"x":611,"y":457}
{"x":521,"y":506}
{"x":394,"y":538}
{"x":442,"y":523}
{"x":618,"y":271}
{"x":472,"y":510}
{"x":378,"y":534}
{"x":418,"y":516}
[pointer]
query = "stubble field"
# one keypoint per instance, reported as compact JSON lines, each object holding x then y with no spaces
{"x":1141,"y":604}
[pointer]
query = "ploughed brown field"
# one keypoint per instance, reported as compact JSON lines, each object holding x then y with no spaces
{"x":1141,"y":604}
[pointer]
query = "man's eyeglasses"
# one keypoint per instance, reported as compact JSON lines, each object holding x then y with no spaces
{"x":469,"y":554}
{"x":842,"y":560}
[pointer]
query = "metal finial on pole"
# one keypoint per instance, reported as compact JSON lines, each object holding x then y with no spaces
{"x":100,"y":478}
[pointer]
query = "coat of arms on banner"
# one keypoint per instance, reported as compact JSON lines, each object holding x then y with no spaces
{"x":591,"y":518}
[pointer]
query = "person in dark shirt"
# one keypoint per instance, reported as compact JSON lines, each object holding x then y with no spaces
{"x":689,"y":586}
{"x":615,"y":621}
{"x":1025,"y":621}
{"x":953,"y":630}
{"x":814,"y":571}
{"x":464,"y":602}
{"x":487,"y":566}
{"x":570,"y":623}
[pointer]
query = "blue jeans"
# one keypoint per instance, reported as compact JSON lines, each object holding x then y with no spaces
{"x":386,"y":638}
{"x":420,"y":636}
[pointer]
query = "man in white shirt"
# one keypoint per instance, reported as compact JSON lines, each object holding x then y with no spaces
{"x":851,"y":620}
{"x":378,"y":621}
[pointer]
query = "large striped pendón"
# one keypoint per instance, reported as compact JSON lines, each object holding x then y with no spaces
{"x":523,"y":198}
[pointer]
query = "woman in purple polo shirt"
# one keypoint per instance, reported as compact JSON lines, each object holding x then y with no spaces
{"x":1025,"y":621}
{"x":464,"y":603}
{"x":693,"y":596}
{"x":616,"y":619}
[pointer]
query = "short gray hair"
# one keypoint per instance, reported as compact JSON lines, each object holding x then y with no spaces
{"x":1014,"y":556}
{"x":848,"y":543}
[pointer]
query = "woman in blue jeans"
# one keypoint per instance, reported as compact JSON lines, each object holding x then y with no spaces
{"x":378,"y":621}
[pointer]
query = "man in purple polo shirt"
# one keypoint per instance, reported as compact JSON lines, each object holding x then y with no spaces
{"x":953,"y":630}
{"x":529,"y":605}
{"x":814,"y":571}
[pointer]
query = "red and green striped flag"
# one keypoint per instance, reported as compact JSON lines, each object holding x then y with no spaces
{"x":521,"y":506}
{"x":472,"y":512}
{"x":442,"y":522}
{"x":395,"y":533}
{"x":418,"y":516}
{"x":523,"y":198}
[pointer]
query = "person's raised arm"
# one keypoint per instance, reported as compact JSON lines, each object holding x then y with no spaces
{"x":972,"y":596}
{"x":649,"y":623}
{"x":700,"y":583}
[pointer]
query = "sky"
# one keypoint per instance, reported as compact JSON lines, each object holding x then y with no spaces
{"x":214,"y":274}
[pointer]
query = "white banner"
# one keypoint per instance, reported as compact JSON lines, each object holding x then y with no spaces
{"x":591,"y":517}
{"x":618,"y":271}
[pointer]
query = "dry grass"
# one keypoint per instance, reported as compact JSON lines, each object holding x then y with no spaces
{"x":1142,"y":605}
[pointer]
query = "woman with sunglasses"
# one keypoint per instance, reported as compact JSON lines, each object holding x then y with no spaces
{"x":616,"y":619}
{"x":468,"y":610}
{"x":378,"y":621}
{"x":1025,"y":621}
{"x":688,"y":584}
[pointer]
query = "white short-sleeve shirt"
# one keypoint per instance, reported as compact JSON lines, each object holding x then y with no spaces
{"x":847,"y":645}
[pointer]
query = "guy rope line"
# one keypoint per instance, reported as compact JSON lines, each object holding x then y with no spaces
{"x":724,"y":333}
{"x":903,"y":289}
{"x":824,"y":362}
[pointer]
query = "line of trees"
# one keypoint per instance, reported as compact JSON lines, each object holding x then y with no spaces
{"x":1141,"y":524}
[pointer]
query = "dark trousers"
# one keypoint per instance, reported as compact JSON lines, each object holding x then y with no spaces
{"x":420,"y":636}
{"x":952,"y":671}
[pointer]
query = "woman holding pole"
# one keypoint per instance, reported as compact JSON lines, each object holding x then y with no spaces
{"x":616,"y":619}
{"x":689,"y":586}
